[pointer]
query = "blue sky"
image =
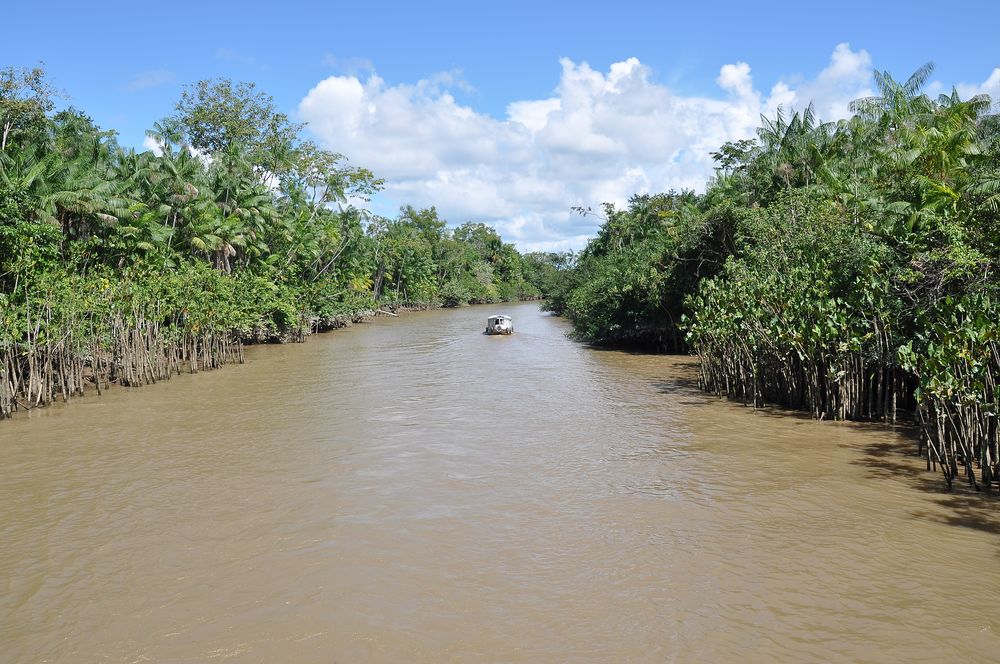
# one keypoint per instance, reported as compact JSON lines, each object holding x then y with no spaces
{"x":436,"y":81}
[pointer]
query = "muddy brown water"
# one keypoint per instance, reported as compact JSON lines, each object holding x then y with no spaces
{"x":410,"y":490}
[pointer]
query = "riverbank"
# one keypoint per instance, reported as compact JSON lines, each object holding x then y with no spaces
{"x":144,"y":355}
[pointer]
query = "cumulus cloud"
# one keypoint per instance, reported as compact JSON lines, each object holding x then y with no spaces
{"x":152,"y":145}
{"x":847,"y":77}
{"x":736,"y":79}
{"x":599,"y":137}
{"x":991,"y":87}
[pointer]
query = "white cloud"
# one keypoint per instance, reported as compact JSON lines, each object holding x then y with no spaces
{"x":601,"y":136}
{"x":991,"y":87}
{"x":736,"y":79}
{"x":152,"y":145}
{"x":533,"y":114}
{"x":847,"y":77}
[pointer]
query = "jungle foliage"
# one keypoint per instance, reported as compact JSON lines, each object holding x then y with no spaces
{"x":848,"y":269}
{"x":125,"y":266}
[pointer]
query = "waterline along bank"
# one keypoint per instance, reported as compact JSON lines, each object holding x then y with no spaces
{"x":127,"y":267}
{"x":847,"y":269}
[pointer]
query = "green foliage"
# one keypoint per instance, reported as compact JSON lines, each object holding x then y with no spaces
{"x":542,"y":271}
{"x":848,"y":269}
{"x":25,"y":99}
{"x":454,"y":294}
{"x":234,"y":229}
{"x":419,"y":262}
{"x":218,"y":117}
{"x":629,"y":284}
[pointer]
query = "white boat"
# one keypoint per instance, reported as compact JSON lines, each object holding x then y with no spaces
{"x":499,"y":324}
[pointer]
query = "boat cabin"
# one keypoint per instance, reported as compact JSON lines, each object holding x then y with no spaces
{"x":499,"y":324}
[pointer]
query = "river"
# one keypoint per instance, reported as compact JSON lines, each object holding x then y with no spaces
{"x":411,"y":490}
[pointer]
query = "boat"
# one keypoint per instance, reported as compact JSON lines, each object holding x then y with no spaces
{"x":499,"y":324}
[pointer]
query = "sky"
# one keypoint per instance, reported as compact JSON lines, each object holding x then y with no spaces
{"x":508,"y":113}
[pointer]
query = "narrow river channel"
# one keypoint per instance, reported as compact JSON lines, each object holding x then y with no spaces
{"x":410,"y":490}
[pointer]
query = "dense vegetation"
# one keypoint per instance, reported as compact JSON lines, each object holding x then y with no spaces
{"x":846,"y":268}
{"x":124,"y":266}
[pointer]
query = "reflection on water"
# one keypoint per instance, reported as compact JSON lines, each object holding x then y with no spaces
{"x":411,"y":490}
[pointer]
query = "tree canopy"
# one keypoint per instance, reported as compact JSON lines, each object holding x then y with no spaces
{"x":237,"y":228}
{"x":848,"y":269}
